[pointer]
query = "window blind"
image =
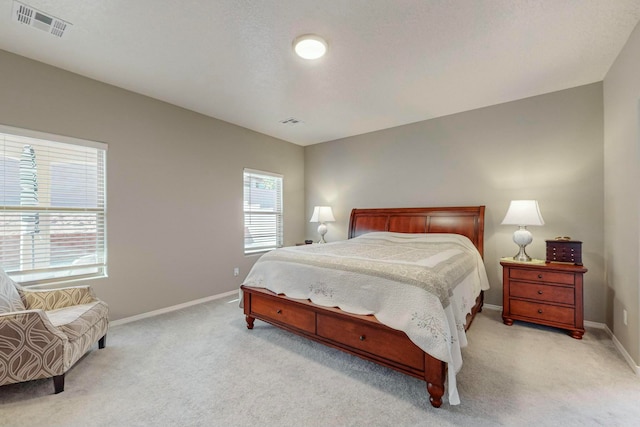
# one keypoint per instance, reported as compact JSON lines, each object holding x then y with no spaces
{"x":262,"y":211}
{"x":52,"y":207}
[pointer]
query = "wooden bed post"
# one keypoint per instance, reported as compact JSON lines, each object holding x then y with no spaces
{"x":435,"y":374}
{"x":250,"y":321}
{"x":247,"y":310}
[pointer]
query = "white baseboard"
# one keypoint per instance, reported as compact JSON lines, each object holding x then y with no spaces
{"x":172,"y":308}
{"x":597,"y":325}
{"x":623,"y":351}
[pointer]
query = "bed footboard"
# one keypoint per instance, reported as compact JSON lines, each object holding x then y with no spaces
{"x":362,"y":336}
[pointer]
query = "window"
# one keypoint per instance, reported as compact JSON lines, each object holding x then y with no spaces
{"x":52,"y":207}
{"x":262,"y":211}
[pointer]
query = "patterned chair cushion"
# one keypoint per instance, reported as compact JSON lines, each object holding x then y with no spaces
{"x":76,"y":320}
{"x":9,"y":298}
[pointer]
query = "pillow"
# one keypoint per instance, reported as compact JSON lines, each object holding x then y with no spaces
{"x":9,"y":297}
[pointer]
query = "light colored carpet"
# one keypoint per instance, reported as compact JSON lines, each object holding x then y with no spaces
{"x":201,"y":367}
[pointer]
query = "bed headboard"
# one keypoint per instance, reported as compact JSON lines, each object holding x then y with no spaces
{"x":465,"y":220}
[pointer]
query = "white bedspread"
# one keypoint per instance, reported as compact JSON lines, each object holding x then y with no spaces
{"x":422,"y":284}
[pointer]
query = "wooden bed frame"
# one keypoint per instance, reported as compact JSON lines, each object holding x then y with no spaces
{"x":364,"y":336}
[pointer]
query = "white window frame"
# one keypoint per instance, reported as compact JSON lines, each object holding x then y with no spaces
{"x":263,"y":226}
{"x":62,"y":227}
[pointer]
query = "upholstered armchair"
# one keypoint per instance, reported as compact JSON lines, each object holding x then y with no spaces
{"x":44,"y":332}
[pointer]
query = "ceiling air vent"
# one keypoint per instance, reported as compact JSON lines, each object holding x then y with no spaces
{"x":43,"y":21}
{"x":291,"y":121}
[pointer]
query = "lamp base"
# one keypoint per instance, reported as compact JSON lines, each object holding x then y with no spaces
{"x":522,"y":255}
{"x":522,"y":237}
{"x":322,"y":230}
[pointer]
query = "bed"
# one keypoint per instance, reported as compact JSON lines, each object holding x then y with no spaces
{"x":374,"y":329}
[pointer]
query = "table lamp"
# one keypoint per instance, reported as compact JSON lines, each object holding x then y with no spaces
{"x":322,"y":214}
{"x":523,"y":213}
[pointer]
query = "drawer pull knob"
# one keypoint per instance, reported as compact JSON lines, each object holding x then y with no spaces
{"x":278,"y":311}
{"x":539,"y":292}
{"x":539,"y":311}
{"x":362,"y":337}
{"x":539,"y":276}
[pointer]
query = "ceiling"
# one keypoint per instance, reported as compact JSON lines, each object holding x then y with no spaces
{"x":390,"y":62}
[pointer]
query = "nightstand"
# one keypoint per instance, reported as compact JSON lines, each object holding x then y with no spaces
{"x":544,"y":293}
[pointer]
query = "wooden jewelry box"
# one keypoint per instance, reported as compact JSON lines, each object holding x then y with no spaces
{"x":564,"y":250}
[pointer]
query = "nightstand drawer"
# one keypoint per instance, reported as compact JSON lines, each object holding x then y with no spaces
{"x":542,"y":276}
{"x":540,"y":292}
{"x":550,"y":313}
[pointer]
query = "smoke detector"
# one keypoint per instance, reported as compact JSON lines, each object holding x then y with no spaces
{"x":33,"y":17}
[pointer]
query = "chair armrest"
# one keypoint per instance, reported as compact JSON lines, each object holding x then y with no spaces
{"x":52,"y":299}
{"x":30,"y":347}
{"x":19,"y":326}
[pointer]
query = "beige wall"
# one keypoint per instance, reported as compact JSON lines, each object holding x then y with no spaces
{"x":175,"y":189}
{"x":621,"y":177}
{"x":547,"y":148}
{"x":174,"y":183}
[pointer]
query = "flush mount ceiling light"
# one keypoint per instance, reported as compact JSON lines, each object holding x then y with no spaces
{"x":310,"y":46}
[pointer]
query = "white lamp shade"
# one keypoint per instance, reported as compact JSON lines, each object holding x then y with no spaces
{"x":322,"y":214}
{"x":523,"y":212}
